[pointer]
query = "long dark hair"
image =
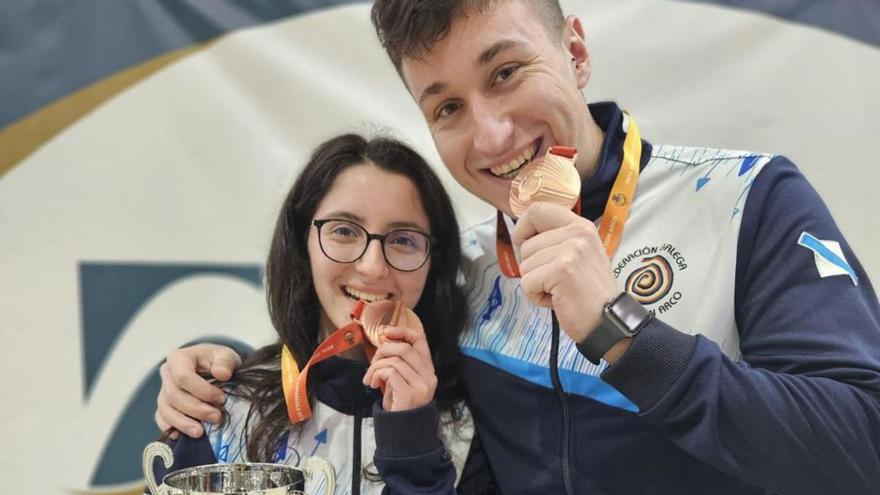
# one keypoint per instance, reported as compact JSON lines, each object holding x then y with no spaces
{"x":293,"y":303}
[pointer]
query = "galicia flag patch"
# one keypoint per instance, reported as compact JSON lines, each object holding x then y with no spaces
{"x":829,"y":257}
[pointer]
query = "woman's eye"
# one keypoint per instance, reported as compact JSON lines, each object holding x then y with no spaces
{"x":344,"y":231}
{"x":403,"y":241}
{"x":409,"y":241}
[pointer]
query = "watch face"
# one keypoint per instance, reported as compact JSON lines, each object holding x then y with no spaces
{"x":551,"y":178}
{"x":627,"y":314}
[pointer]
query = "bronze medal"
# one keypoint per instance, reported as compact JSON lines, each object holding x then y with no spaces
{"x":552,"y":178}
{"x":386,"y":313}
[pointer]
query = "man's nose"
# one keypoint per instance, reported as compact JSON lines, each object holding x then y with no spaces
{"x":372,"y":264}
{"x":493,"y":128}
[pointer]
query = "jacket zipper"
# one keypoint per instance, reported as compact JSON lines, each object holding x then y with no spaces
{"x":356,"y":455}
{"x":560,"y":393}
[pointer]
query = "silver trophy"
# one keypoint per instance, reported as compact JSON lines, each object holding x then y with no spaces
{"x":234,"y":479}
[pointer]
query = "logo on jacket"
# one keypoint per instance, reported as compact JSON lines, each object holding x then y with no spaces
{"x":493,"y":303}
{"x":651,"y":283}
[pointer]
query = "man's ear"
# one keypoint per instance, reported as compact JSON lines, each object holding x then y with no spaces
{"x":576,"y":46}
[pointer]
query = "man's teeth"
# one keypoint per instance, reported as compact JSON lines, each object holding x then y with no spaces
{"x":365,"y":296}
{"x":516,"y":163}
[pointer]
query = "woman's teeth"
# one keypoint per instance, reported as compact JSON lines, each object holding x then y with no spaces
{"x":507,"y":170}
{"x":364,"y":296}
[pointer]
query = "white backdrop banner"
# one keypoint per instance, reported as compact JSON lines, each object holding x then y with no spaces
{"x":145,"y":148}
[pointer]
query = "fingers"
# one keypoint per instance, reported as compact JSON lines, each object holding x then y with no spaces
{"x":410,"y":345}
{"x":538,"y":285}
{"x":541,"y":217}
{"x":411,"y":376}
{"x":179,"y":410}
{"x":164,"y":426}
{"x":395,"y":397}
{"x":167,"y":418}
{"x":403,"y":334}
{"x":224,"y":362}
{"x":580,"y":235}
{"x":183,"y":366}
{"x":404,"y":389}
{"x":564,"y":266}
{"x":394,"y":353}
{"x":394,"y":390}
{"x":404,"y":367}
{"x":415,"y":337}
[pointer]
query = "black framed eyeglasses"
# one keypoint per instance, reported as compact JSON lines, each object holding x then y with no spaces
{"x":345,"y":241}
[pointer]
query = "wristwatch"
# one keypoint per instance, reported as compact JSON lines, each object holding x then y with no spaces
{"x":622,"y":317}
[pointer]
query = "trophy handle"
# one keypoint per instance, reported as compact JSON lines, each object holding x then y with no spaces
{"x":153,"y":450}
{"x":314,"y":464}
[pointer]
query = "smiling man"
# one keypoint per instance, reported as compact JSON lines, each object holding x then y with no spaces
{"x":699,"y":326}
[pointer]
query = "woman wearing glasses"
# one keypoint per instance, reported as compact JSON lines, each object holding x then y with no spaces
{"x":365,"y":221}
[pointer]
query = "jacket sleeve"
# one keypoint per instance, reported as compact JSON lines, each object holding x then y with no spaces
{"x":800,"y":413}
{"x":410,"y":455}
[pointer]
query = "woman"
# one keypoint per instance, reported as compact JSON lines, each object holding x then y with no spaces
{"x":322,"y":262}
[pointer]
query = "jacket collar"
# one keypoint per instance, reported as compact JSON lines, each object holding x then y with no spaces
{"x":337,"y":383}
{"x":595,"y":190}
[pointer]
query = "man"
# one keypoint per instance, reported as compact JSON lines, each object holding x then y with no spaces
{"x":742,"y":357}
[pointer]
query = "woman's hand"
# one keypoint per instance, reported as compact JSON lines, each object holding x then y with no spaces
{"x":403,"y":365}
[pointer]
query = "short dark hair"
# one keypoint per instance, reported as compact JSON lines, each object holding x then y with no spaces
{"x":293,"y":304}
{"x":409,"y":28}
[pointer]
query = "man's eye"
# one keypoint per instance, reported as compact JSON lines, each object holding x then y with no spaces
{"x":506,"y":72}
{"x":448,"y":109}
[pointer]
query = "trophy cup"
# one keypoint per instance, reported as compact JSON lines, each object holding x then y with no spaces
{"x":234,"y":479}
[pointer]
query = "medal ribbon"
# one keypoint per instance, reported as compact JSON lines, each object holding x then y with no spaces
{"x":616,"y":209}
{"x":294,"y":383}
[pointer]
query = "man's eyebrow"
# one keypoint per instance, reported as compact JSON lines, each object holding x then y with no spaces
{"x":484,"y":58}
{"x":434,"y":89}
{"x":490,"y":53}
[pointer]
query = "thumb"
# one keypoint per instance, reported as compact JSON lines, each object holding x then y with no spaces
{"x":223,"y":363}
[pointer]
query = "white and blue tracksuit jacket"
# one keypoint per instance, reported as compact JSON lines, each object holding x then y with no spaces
{"x":759,"y":374}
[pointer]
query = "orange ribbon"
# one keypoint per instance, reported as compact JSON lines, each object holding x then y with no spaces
{"x":365,"y":328}
{"x":294,"y":383}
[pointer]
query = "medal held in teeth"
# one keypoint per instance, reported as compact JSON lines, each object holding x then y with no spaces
{"x":386,"y":313}
{"x":552,"y":178}
{"x":365,"y":328}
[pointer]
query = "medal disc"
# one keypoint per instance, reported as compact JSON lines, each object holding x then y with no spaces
{"x":551,"y":178}
{"x":387,"y":313}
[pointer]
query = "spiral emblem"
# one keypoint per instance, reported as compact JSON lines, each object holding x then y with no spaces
{"x":652,"y":281}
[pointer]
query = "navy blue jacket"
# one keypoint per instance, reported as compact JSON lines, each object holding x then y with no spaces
{"x":798,"y":414}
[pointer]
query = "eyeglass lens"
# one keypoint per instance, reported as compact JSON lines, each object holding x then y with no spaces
{"x":345,"y":241}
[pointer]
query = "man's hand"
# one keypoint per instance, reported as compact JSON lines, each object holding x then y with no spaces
{"x":403,"y":364}
{"x":186,"y":398}
{"x":564,"y":266}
